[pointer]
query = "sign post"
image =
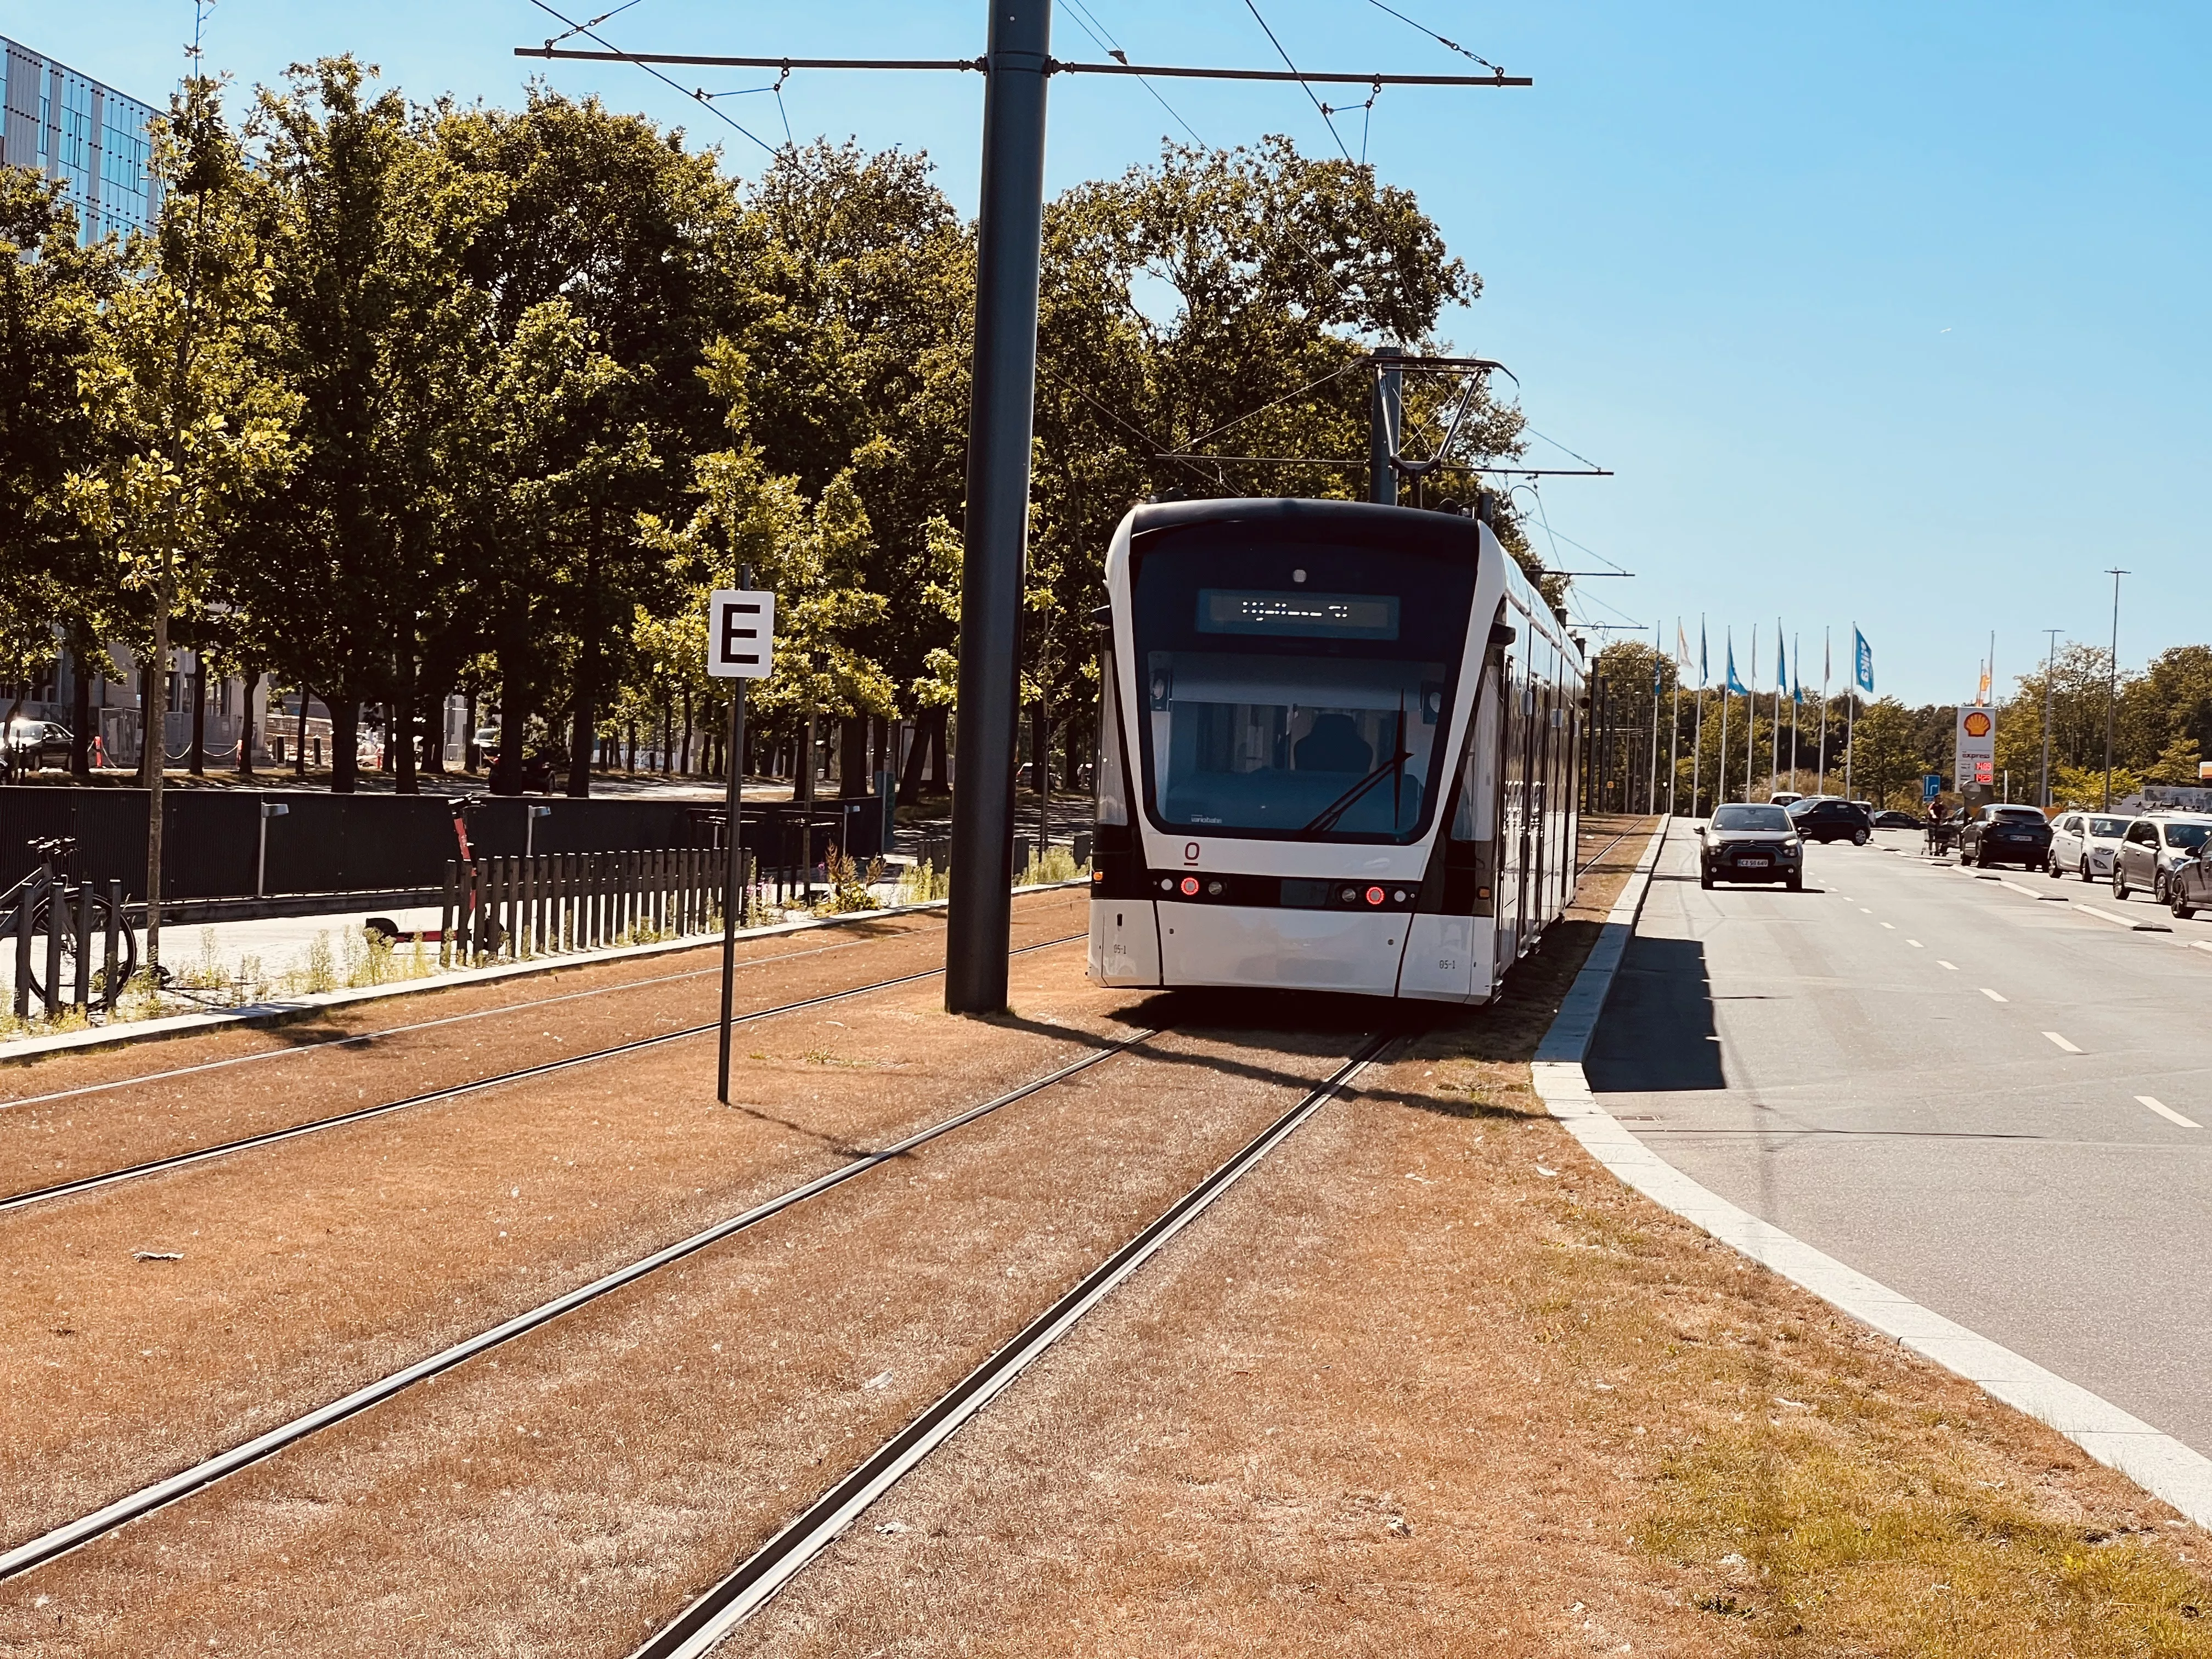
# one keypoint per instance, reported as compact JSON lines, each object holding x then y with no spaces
{"x":740,"y":646}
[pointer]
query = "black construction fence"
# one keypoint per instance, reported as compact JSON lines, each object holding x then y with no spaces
{"x":248,"y":844}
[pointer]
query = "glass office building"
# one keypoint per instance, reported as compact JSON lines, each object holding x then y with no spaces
{"x":90,"y":138}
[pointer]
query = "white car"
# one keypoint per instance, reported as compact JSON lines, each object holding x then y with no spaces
{"x":2084,"y":844}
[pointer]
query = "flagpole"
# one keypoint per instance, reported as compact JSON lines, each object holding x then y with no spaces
{"x":1850,"y":712}
{"x":1796,"y":699}
{"x":1651,"y":781}
{"x":1697,"y":736}
{"x":1720,"y":779}
{"x":1820,"y":781}
{"x":1774,"y":735}
{"x":1674,"y":724}
{"x":1751,"y":715}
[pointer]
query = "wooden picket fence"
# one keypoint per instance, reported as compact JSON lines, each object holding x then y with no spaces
{"x":506,"y":909}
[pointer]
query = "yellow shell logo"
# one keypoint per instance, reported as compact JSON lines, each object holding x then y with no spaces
{"x":1978,"y":725}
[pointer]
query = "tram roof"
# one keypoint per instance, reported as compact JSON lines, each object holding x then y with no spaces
{"x":1361,"y":520}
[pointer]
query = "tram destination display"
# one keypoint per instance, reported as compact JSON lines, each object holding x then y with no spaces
{"x":1297,"y":616}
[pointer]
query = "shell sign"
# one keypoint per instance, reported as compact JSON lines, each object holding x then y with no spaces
{"x":1975,"y":753}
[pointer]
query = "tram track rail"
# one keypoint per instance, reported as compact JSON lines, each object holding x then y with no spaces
{"x":755,"y":1580}
{"x":74,"y":1534}
{"x":1598,"y":857}
{"x":83,"y":1184}
{"x":361,"y":1039}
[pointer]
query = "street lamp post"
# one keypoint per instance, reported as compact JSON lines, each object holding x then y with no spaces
{"x":2111,"y":685}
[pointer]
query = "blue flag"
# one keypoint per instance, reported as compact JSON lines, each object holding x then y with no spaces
{"x":1735,"y":685}
{"x":1702,"y":675}
{"x":1781,"y":657}
{"x":1863,"y":671}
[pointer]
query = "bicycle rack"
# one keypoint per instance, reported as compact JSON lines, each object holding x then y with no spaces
{"x":68,"y":911}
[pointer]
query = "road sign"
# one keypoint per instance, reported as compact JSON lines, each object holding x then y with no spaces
{"x":1932,"y":785}
{"x":740,"y":633}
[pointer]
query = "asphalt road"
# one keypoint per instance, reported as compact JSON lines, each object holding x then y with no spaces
{"x":1939,"y":1080}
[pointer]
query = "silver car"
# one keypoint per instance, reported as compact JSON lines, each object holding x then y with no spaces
{"x":2152,"y":846}
{"x":2084,"y":844}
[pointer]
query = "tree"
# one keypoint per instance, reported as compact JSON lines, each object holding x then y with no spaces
{"x":54,"y":578}
{"x":1885,"y":752}
{"x":642,"y":244}
{"x":371,"y":226}
{"x":190,"y":428}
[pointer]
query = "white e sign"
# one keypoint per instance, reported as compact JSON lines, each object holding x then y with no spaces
{"x":740,"y":633}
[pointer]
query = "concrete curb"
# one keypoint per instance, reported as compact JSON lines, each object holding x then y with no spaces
{"x":272,"y":1013}
{"x":2156,"y":1462}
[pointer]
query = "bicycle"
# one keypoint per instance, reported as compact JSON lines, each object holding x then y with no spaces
{"x":68,"y":938}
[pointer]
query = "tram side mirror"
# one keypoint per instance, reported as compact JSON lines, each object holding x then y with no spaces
{"x":1103,"y":617}
{"x":1502,"y":634}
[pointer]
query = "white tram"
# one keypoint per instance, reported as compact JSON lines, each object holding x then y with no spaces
{"x":1337,"y":752}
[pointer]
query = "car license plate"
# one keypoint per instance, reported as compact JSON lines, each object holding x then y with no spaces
{"x":1754,"y":864}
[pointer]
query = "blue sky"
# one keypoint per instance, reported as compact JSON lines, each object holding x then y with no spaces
{"x":1884,"y":313}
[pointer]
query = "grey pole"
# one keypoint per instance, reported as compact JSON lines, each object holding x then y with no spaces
{"x":2111,"y":685}
{"x":734,"y":894}
{"x":2050,"y":662}
{"x":1385,"y":420}
{"x":1001,"y":411}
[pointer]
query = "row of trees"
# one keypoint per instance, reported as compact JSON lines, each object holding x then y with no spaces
{"x":2162,"y":727}
{"x":401,"y":399}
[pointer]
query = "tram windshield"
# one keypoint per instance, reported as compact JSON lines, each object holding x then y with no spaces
{"x":1298,"y":690}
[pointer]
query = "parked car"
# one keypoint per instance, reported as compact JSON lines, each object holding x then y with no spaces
{"x":2153,"y":846}
{"x":1889,"y":818}
{"x":2084,"y":844}
{"x":1826,"y":819}
{"x":1750,"y":844}
{"x":33,"y":744}
{"x":2189,"y":884}
{"x":1784,"y":798}
{"x":2006,"y":835}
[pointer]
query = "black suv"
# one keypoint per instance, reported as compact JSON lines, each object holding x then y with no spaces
{"x":1751,"y":843}
{"x":1829,"y":818}
{"x":2006,"y":835}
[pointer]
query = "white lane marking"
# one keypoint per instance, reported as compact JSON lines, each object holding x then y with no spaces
{"x":1864,"y":911}
{"x":2129,"y":922}
{"x":1953,"y":966}
{"x":1891,"y":926}
{"x":2168,"y":1113}
{"x":2062,"y":1042}
{"x":1916,"y":945}
{"x":1992,"y":995}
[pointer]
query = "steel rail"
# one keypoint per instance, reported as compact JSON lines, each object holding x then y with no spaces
{"x":362,"y":1115}
{"x":713,"y":1614}
{"x":421,"y":1024}
{"x":75,"y":1533}
{"x":1582,"y":870}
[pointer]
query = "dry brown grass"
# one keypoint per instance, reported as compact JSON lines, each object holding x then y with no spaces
{"x":1432,"y":1382}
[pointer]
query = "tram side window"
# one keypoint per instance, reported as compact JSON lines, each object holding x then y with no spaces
{"x":1113,"y":791}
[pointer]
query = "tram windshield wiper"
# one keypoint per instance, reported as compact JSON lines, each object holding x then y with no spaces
{"x":1344,"y":803}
